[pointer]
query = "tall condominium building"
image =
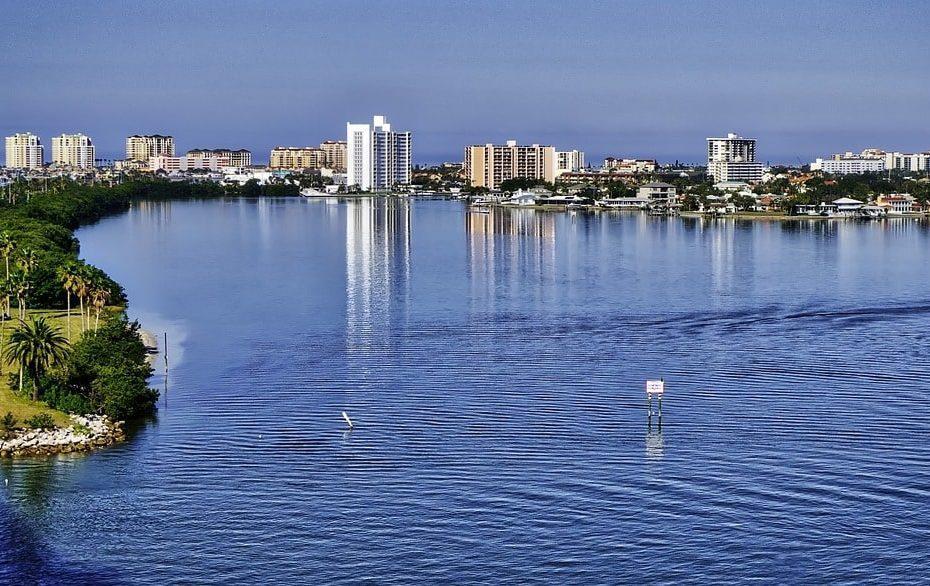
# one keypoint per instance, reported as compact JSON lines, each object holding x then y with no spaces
{"x":908,"y":161}
{"x":568,"y":162}
{"x":733,"y":159}
{"x":73,"y":150}
{"x":377,"y":158}
{"x":296,"y":158}
{"x":143,"y":148}
{"x":733,"y":148}
{"x":335,"y":151}
{"x":490,"y":164}
{"x":24,"y":150}
{"x":237,"y":158}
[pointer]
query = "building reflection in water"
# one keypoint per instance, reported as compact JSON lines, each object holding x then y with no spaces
{"x":377,"y":264}
{"x":150,"y":213}
{"x":719,"y":236}
{"x":509,"y":248}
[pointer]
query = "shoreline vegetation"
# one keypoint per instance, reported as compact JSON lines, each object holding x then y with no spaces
{"x":741,"y":215}
{"x":73,"y":368}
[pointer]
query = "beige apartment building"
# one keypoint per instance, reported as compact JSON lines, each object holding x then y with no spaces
{"x":335,"y":151}
{"x":73,"y":150}
{"x":489,"y":165}
{"x":233,"y":158}
{"x":24,"y":150}
{"x":144,"y":147}
{"x":331,"y":154}
{"x":297,"y":158}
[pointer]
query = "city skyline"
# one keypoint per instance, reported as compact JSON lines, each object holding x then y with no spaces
{"x":638,"y":80}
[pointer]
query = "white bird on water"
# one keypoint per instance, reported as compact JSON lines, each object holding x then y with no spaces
{"x":349,"y":421}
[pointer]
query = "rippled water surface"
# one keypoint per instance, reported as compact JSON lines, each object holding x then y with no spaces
{"x":494,"y":367}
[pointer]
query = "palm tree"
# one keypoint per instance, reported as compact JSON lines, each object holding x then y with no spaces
{"x":81,"y":286}
{"x":67,"y":274}
{"x":99,"y":297}
{"x":7,"y":247}
{"x":29,"y":260}
{"x":19,"y":286}
{"x":36,"y":346}
{"x":4,"y":316}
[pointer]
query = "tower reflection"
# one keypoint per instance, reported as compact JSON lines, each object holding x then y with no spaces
{"x":378,"y":236}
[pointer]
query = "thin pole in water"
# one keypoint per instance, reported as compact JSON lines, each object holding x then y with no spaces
{"x":349,"y":421}
{"x":166,"y":353}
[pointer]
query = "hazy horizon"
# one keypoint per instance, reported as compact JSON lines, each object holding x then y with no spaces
{"x":626,"y":79}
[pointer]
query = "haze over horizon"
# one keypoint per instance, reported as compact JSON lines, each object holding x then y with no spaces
{"x":631,"y":79}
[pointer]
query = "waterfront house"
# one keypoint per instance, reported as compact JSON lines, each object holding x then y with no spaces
{"x":624,"y":203}
{"x":821,"y":209}
{"x":847,"y":206}
{"x":657,"y":192}
{"x":897,"y":203}
{"x":718,"y":206}
{"x":562,"y":200}
{"x":525,"y":197}
{"x":869,"y":211}
{"x":765,"y":202}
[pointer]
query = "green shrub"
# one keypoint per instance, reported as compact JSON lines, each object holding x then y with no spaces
{"x":41,"y":421}
{"x":63,"y":400}
{"x":8,"y":422}
{"x":105,"y":371}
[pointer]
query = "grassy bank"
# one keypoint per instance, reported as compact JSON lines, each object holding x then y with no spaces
{"x":21,"y":407}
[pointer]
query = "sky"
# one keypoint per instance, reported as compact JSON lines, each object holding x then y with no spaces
{"x":630,"y":79}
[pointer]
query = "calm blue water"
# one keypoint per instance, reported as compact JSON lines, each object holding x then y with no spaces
{"x":494,"y":366}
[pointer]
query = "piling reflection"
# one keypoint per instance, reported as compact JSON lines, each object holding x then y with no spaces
{"x":655,"y":444}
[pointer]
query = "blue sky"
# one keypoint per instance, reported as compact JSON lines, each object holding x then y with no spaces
{"x":648,"y":79}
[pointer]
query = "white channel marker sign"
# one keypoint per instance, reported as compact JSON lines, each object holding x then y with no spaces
{"x":655,"y":387}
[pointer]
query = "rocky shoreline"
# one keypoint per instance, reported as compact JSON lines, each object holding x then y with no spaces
{"x":85,"y":434}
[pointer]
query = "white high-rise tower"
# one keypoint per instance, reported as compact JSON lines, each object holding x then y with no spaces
{"x":378,"y":158}
{"x":733,"y":159}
